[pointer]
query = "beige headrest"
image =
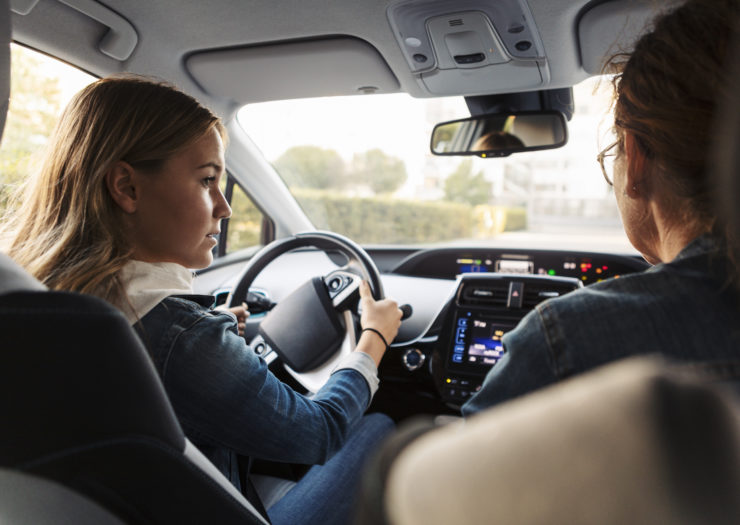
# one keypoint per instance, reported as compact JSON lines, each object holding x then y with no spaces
{"x":629,"y":443}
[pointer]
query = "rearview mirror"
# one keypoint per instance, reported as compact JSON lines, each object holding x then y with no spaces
{"x":500,"y":134}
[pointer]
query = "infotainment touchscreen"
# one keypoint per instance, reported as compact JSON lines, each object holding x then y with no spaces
{"x":477,"y":341}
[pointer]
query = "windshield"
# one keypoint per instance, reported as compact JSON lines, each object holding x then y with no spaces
{"x":361,"y":166}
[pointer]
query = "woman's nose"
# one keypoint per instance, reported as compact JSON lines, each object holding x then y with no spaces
{"x":221,"y":209}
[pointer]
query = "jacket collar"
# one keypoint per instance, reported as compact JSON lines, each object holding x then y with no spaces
{"x":147,"y":284}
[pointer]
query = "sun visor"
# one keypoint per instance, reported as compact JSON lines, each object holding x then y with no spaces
{"x":614,"y":27}
{"x":330,"y":66}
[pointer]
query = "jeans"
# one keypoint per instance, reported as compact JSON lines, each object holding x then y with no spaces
{"x":326,"y":494}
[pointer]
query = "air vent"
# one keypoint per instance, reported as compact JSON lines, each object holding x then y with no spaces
{"x":456,"y":22}
{"x":494,"y":293}
{"x":535,"y":293}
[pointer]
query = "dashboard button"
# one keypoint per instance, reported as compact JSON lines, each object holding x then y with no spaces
{"x":516,"y":294}
{"x":413,"y":359}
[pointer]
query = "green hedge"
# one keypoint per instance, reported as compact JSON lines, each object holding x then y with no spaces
{"x":245,"y":224}
{"x":379,"y":220}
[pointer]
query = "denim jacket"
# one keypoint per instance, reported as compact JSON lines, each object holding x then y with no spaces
{"x":683,"y":310}
{"x":227,"y":400}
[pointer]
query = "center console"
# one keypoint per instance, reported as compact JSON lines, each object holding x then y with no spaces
{"x":486,"y":307}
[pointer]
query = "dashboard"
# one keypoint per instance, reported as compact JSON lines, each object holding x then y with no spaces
{"x":493,"y":291}
{"x":464,"y":301}
{"x":446,"y":263}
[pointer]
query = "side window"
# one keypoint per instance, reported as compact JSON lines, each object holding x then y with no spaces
{"x":40,"y":88}
{"x":245,"y":227}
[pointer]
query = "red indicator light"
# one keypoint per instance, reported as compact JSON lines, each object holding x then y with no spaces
{"x":605,"y":268}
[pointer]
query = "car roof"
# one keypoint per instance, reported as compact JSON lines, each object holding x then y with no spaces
{"x":232,"y":52}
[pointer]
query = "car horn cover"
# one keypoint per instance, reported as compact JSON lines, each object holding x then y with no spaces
{"x":304,"y":329}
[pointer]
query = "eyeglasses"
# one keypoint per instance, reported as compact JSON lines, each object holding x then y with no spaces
{"x":605,"y":159}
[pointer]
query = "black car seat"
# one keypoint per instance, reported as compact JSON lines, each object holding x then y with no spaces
{"x":81,"y":404}
{"x":86,"y":429}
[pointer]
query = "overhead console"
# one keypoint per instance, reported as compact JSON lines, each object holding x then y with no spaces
{"x":470,"y":46}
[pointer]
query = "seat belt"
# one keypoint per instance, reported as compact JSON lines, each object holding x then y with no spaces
{"x":248,"y":489}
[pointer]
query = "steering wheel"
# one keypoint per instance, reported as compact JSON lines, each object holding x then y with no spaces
{"x":314,"y":327}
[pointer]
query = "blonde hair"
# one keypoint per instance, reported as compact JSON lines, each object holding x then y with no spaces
{"x":64,"y":227}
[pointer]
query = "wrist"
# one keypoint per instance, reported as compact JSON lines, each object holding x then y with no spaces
{"x":379,"y":334}
{"x":372,"y":345}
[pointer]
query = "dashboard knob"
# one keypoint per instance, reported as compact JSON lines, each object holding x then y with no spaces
{"x":406,"y":310}
{"x":413,"y":359}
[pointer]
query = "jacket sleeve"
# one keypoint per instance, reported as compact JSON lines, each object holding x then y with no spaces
{"x":225,"y":394}
{"x":526,"y":366}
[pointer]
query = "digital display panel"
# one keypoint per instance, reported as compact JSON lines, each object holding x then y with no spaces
{"x":484,"y":265}
{"x":510,"y":266}
{"x":473,"y":265}
{"x":477,"y":341}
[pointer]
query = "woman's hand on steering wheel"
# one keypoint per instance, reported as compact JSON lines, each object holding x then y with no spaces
{"x":380,"y":322}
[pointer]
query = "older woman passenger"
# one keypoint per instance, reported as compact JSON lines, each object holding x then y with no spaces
{"x":685,"y":306}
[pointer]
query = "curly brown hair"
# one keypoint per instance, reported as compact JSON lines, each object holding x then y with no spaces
{"x":667,"y":92}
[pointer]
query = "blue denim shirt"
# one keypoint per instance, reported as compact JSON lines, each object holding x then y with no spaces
{"x":683,"y":310}
{"x":229,"y":402}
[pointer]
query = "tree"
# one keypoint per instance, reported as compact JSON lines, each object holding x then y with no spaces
{"x":311,"y":167}
{"x":463,"y":186}
{"x":35,"y":103}
{"x":381,"y":172}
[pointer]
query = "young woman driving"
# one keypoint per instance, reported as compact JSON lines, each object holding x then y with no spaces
{"x":125,"y":204}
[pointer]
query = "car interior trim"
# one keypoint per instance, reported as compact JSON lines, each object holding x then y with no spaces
{"x":336,"y":64}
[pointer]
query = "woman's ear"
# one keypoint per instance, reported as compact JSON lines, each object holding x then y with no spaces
{"x":637,"y":165}
{"x":120,"y":181}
